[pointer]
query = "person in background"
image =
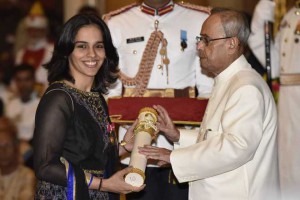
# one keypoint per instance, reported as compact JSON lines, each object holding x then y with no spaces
{"x":285,"y":63}
{"x":234,"y":155}
{"x":157,"y":48}
{"x":86,"y":9}
{"x":38,"y":49}
{"x":75,"y":147}
{"x":22,"y":108}
{"x":1,"y":107}
{"x":6,"y":93}
{"x":16,"y":180}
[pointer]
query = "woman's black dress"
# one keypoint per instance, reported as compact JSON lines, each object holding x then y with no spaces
{"x":72,"y":125}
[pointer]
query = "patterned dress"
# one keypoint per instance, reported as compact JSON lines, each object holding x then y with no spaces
{"x":72,"y":125}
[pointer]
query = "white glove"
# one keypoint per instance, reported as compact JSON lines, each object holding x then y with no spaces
{"x":264,"y":11}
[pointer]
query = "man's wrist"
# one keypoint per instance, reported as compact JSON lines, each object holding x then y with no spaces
{"x":177,"y":136}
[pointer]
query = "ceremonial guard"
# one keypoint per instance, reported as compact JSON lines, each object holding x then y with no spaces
{"x":158,"y":58}
{"x":38,"y":49}
{"x":285,"y":64}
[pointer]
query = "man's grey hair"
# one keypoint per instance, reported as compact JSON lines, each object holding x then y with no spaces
{"x":235,"y":24}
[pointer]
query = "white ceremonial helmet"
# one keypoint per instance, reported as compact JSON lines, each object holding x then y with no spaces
{"x":36,"y":17}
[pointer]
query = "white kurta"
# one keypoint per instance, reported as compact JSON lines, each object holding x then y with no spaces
{"x":184,"y":67}
{"x":23,"y":115}
{"x":285,"y":60}
{"x":237,"y":157}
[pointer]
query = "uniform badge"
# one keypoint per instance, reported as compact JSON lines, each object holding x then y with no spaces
{"x":136,"y":39}
{"x":183,"y":39}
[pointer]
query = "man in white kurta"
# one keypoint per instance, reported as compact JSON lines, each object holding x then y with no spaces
{"x":285,"y":63}
{"x":21,"y":109}
{"x":234,"y":156}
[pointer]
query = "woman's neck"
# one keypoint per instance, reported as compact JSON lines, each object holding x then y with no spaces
{"x":85,"y":85}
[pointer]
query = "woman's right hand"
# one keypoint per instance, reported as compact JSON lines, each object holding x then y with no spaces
{"x":117,"y":184}
{"x":127,"y":143}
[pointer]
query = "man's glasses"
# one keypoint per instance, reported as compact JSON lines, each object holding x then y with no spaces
{"x":206,"y":40}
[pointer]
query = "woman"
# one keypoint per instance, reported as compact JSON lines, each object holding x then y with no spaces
{"x":74,"y":142}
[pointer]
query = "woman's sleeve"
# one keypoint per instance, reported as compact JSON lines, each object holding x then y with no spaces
{"x":51,"y":122}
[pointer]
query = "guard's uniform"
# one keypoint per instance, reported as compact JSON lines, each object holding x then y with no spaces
{"x":38,"y":49}
{"x":285,"y":64}
{"x":175,"y":65}
{"x":36,"y":56}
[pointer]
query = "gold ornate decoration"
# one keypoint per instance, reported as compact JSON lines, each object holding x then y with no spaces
{"x":138,"y":171}
{"x":147,"y":120}
{"x":141,"y":79}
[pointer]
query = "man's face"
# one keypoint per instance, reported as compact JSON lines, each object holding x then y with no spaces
{"x":36,"y":34}
{"x":8,"y":150}
{"x":25,"y":83}
{"x":212,"y":53}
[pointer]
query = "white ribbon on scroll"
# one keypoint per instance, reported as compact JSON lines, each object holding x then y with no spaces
{"x":144,"y":133}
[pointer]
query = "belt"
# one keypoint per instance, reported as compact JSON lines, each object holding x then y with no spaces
{"x":290,"y":79}
{"x":169,"y":92}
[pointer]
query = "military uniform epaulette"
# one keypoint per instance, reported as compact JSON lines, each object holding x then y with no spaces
{"x":107,"y":16}
{"x":195,"y":7}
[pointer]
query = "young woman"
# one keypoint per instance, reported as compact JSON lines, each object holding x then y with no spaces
{"x":75,"y":148}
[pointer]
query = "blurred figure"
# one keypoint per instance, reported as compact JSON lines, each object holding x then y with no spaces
{"x":86,"y":9}
{"x":16,"y":180}
{"x":38,"y":49}
{"x":285,"y":63}
{"x":1,"y":107}
{"x":5,"y":92}
{"x":21,"y":109}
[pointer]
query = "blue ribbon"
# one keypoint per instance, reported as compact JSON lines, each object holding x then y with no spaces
{"x":71,"y":185}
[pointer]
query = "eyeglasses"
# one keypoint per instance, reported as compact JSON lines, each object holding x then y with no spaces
{"x":206,"y":39}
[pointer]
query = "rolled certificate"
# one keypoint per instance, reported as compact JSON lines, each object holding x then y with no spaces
{"x":144,"y":133}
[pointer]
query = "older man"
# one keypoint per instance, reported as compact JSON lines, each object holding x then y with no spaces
{"x":234,"y":156}
{"x":16,"y":180}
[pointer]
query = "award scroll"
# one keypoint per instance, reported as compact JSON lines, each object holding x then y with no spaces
{"x":144,"y":133}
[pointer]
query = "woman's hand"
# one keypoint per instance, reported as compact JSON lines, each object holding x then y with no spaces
{"x":126,"y":144}
{"x":117,"y":184}
{"x":156,"y":153}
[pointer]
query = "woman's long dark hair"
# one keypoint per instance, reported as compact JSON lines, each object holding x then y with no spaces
{"x":58,"y":66}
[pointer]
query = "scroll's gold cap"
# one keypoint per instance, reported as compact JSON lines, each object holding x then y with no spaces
{"x":150,"y":110}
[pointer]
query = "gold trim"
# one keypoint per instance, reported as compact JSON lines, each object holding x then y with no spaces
{"x":290,"y":79}
{"x":138,"y":171}
{"x":168,"y":92}
{"x":97,"y":172}
{"x":149,"y":110}
{"x":145,"y":127}
{"x":175,"y":122}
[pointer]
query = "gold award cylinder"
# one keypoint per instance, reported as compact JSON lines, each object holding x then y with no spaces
{"x":144,"y":133}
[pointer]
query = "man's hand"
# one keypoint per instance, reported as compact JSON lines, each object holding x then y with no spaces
{"x":166,"y":125}
{"x":156,"y":153}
